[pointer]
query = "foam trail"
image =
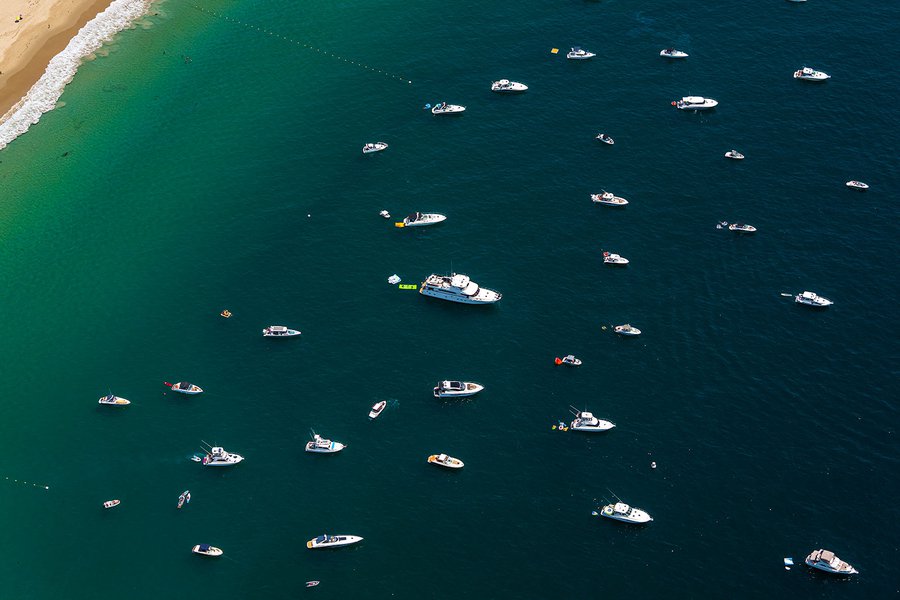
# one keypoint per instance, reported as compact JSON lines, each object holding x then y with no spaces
{"x":43,"y":95}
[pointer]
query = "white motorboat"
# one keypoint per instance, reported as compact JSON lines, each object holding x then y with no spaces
{"x":377,"y":409}
{"x":859,"y":185}
{"x":734,"y":155}
{"x":442,"y":108}
{"x":332,"y":541}
{"x":418,"y":219}
{"x":614,"y":259}
{"x":808,"y":74}
{"x":374,"y":147}
{"x":576,"y":53}
{"x":627,"y":329}
{"x":456,"y":389}
{"x":742,"y":228}
{"x":111,"y":503}
{"x":279,"y":331}
{"x":812,"y":299}
{"x":695,"y":103}
{"x":207,"y":550}
{"x":673,"y":53}
{"x":568,"y":360}
{"x":322,"y":446}
{"x":825,"y":560}
{"x":586,"y":421}
{"x":114,"y":400}
{"x":443,"y":460}
{"x":218,"y":457}
{"x":627,"y":514}
{"x":505,"y":86}
{"x":609,"y":199}
{"x":457,"y":288}
{"x":183,"y":387}
{"x":605,"y":139}
{"x":385,"y":214}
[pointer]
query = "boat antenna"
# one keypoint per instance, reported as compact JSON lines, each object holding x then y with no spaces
{"x":207,"y":444}
{"x":613,"y":495}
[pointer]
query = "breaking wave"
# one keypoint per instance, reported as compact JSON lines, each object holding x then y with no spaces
{"x":43,"y":95}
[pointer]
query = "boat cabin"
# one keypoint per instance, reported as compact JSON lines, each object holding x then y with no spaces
{"x":622,"y":508}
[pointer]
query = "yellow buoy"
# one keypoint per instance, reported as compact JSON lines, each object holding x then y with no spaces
{"x":554,"y":50}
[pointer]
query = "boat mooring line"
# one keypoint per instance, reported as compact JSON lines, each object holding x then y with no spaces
{"x":31,"y":483}
{"x":303,"y":44}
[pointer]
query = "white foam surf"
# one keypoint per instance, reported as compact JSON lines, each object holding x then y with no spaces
{"x":43,"y":95}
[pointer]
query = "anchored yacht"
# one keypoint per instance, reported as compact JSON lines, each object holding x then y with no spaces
{"x":207,"y":550}
{"x":456,"y":389}
{"x":505,"y":86}
{"x":808,"y":74}
{"x":622,"y":512}
{"x":457,"y":288}
{"x":443,"y":460}
{"x":812,"y":299}
{"x":614,"y":259}
{"x":587,"y":422}
{"x":332,"y":541}
{"x":418,"y":219}
{"x":627,"y":329}
{"x":609,"y":199}
{"x":279,"y":331}
{"x":374,"y":147}
{"x":442,"y":108}
{"x":183,"y":387}
{"x":114,"y":400}
{"x":673,"y":53}
{"x":323,"y":446}
{"x":695,"y":103}
{"x":825,"y":560}
{"x":576,"y":53}
{"x":218,"y":457}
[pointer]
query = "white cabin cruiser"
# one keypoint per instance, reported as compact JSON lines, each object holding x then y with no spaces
{"x":443,"y":460}
{"x":614,"y":259}
{"x":505,"y":86}
{"x":627,"y":514}
{"x":114,"y":400}
{"x":812,"y":299}
{"x":576,"y":53}
{"x":695,"y":103}
{"x":183,"y":387}
{"x":374,"y":147}
{"x":587,"y":422}
{"x":418,"y":219}
{"x":742,"y":228}
{"x":377,"y":409}
{"x":605,"y":139}
{"x":332,"y":541}
{"x":456,"y":389}
{"x":609,"y":199}
{"x":279,"y":331}
{"x":457,"y":288}
{"x":627,"y":329}
{"x":218,"y":457}
{"x":207,"y":550}
{"x":442,"y":108}
{"x":808,"y":74}
{"x":569,"y":360}
{"x":859,"y":185}
{"x":323,"y":446}
{"x":734,"y":155}
{"x":673,"y":53}
{"x":825,"y":560}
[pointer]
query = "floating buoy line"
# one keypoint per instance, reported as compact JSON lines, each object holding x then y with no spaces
{"x":29,"y":483}
{"x":301,"y":43}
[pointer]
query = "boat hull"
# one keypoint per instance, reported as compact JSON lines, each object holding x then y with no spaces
{"x":443,"y":295}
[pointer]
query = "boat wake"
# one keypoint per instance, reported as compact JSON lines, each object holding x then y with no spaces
{"x":43,"y":95}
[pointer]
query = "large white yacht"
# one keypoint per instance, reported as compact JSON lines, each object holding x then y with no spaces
{"x":218,"y":457}
{"x":323,"y":446}
{"x":576,"y":53}
{"x":279,"y":331}
{"x":457,"y":288}
{"x":622,"y":512}
{"x":808,"y":74}
{"x":609,"y":199}
{"x":587,"y":422}
{"x":812,"y":299}
{"x":456,"y":389}
{"x":695,"y":103}
{"x":332,"y":541}
{"x":418,"y":219}
{"x":825,"y":560}
{"x":505,"y":86}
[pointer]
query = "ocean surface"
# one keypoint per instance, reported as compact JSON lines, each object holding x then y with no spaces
{"x":209,"y":159}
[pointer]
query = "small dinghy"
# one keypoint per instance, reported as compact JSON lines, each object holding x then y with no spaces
{"x":374,"y":147}
{"x":418,"y":219}
{"x":184,"y":498}
{"x":111,"y":503}
{"x":627,"y":329}
{"x":609,"y":199}
{"x":505,"y":86}
{"x":443,"y":460}
{"x":576,"y":53}
{"x":825,"y":560}
{"x":322,"y":446}
{"x":605,"y":139}
{"x":385,"y":214}
{"x":569,"y":360}
{"x":279,"y":331}
{"x":443,"y":108}
{"x":183,"y":387}
{"x":808,"y":74}
{"x":742,"y":228}
{"x":394,"y":279}
{"x":207,"y":550}
{"x":377,"y":409}
{"x":610,"y":258}
{"x":734,"y":155}
{"x":673,"y":53}
{"x":113,"y":400}
{"x":332,"y":541}
{"x":858,"y":185}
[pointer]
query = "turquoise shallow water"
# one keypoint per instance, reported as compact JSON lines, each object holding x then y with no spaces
{"x":186,"y":190}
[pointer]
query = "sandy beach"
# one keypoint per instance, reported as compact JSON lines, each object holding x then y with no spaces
{"x":27,"y":45}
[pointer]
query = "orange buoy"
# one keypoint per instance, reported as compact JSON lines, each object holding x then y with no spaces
{"x":558,"y":360}
{"x":673,"y":103}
